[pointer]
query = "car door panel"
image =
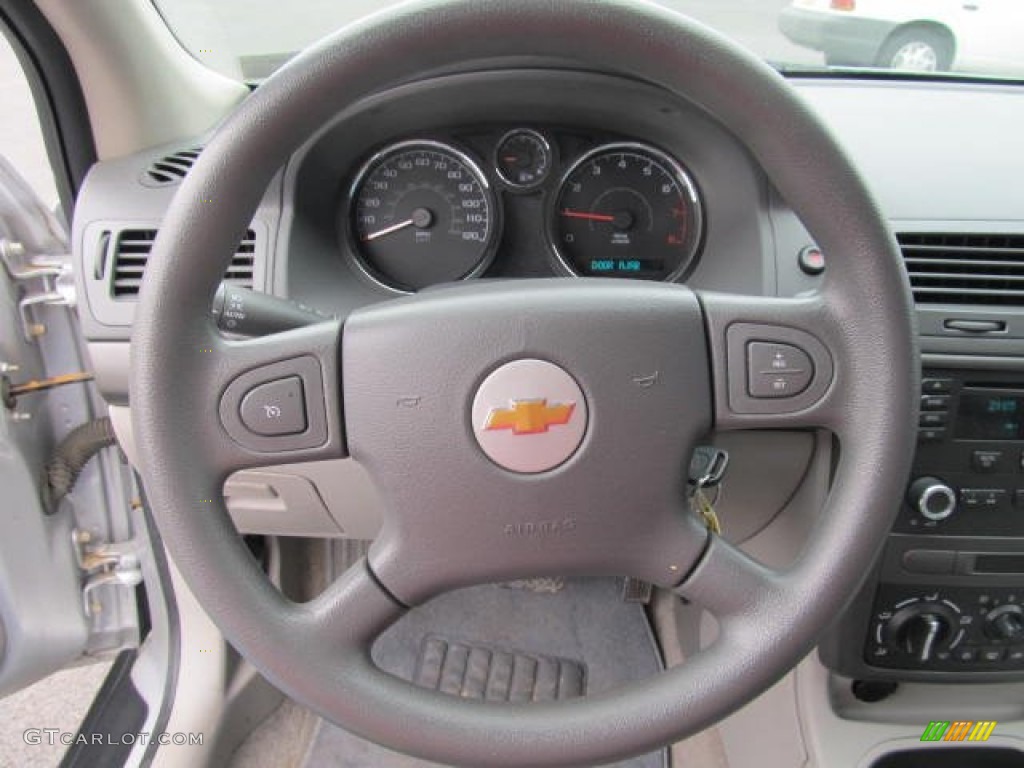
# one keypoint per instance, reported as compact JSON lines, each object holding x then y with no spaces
{"x":45,"y":543}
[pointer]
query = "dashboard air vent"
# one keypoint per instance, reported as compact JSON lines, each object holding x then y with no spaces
{"x":974,"y":269}
{"x":131,"y":252}
{"x":171,"y":169}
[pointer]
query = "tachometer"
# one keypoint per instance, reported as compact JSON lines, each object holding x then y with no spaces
{"x":421,"y":213}
{"x":627,"y":210}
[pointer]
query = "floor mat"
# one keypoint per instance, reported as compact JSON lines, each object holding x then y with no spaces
{"x":526,"y":641}
{"x":496,"y":674}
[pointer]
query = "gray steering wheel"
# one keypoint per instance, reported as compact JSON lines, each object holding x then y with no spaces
{"x":393,"y":386}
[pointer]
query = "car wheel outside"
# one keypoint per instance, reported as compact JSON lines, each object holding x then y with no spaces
{"x":917,"y":49}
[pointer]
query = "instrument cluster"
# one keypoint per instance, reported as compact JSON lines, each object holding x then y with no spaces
{"x":424,"y":211}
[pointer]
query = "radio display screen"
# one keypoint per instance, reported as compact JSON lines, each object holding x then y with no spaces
{"x":987,"y":414}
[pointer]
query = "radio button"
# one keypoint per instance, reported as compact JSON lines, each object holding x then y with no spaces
{"x":933,"y":419}
{"x":977,"y":498}
{"x":937,"y":386}
{"x":932,"y":498}
{"x":934,"y":403}
{"x":987,"y":461}
{"x":994,"y":498}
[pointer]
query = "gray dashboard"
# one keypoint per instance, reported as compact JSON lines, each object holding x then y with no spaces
{"x":942,"y":159}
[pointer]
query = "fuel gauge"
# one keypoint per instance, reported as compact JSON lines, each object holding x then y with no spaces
{"x":523,"y":159}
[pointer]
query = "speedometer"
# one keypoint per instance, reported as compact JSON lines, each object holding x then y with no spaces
{"x":422,"y":213}
{"x":626,"y":210}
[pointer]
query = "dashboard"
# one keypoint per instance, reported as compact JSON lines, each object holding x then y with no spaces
{"x":531,"y":171}
{"x":520,"y":174}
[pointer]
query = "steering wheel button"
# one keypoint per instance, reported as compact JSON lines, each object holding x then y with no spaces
{"x":777,"y":370}
{"x":275,"y":408}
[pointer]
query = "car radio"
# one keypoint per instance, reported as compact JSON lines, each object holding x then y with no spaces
{"x":948,"y":594}
{"x":968,"y":474}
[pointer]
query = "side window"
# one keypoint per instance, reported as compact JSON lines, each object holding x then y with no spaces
{"x":21,"y":140}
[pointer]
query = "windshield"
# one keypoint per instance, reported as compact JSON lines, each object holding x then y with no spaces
{"x":249,"y":39}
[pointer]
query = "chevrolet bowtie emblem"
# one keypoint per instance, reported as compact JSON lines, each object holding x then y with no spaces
{"x":529,"y":417}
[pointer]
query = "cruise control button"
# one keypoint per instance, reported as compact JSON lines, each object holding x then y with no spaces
{"x":275,"y":408}
{"x":777,"y":370}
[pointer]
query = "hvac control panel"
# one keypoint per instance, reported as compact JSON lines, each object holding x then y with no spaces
{"x":951,"y":628}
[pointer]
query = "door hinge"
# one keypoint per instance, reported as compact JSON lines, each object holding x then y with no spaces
{"x":104,"y":564}
{"x":46,"y":280}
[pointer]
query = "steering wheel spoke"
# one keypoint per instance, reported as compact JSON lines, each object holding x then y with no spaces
{"x":729,"y":583}
{"x":279,"y":397}
{"x":774,"y":361}
{"x":351,"y":613}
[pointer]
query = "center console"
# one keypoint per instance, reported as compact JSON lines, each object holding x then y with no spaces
{"x":947,"y":599}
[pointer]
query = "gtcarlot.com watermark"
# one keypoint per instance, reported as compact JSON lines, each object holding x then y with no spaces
{"x":52,"y":736}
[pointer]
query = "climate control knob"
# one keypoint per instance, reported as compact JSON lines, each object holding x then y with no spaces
{"x":922,"y":635}
{"x":923,"y":629}
{"x":1005,"y":623}
{"x":932,"y":498}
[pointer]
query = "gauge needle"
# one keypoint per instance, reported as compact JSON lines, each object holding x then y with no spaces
{"x":388,"y":230}
{"x":588,"y":216}
{"x":421,"y":219}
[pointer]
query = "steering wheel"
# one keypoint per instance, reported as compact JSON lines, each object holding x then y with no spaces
{"x":410,"y":389}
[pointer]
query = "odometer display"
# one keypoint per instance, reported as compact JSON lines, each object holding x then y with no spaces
{"x":626,"y":210}
{"x":422,"y":213}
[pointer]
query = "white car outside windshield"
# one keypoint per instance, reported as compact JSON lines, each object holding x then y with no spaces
{"x":966,"y":36}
